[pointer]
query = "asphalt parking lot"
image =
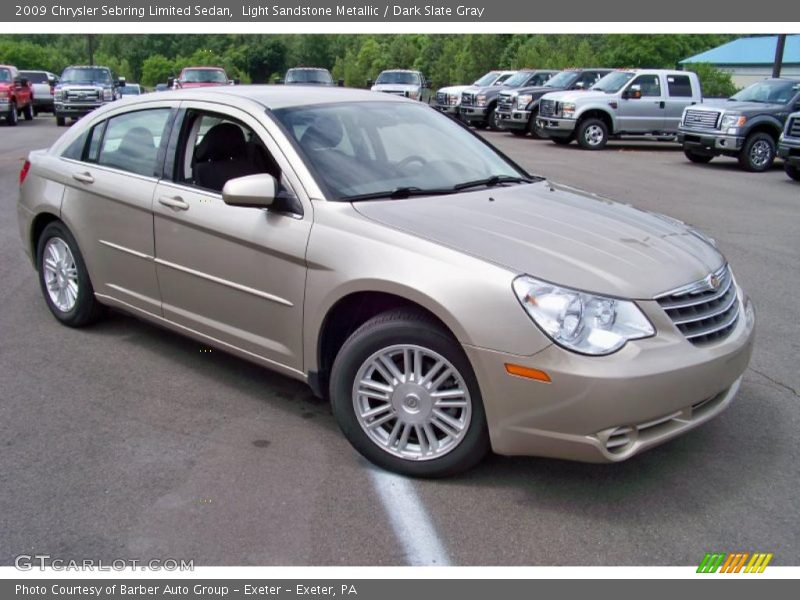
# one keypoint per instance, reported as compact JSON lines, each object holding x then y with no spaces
{"x":126,"y":441}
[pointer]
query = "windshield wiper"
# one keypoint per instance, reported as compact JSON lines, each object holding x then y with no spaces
{"x":398,"y":193}
{"x":492,"y":181}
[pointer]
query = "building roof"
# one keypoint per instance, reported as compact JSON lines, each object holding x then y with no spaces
{"x":759,"y":50}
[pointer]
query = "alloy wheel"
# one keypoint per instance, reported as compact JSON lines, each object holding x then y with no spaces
{"x":60,"y":274}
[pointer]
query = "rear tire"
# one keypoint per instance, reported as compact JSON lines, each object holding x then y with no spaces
{"x":64,"y":279}
{"x":394,"y":353}
{"x":12,"y":117}
{"x":792,"y":171}
{"x":697,"y":157}
{"x":758,"y":153}
{"x":519,"y":132}
{"x":27,"y":112}
{"x":60,"y":121}
{"x":592,"y":134}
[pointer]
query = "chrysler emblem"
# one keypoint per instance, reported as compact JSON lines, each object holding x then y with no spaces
{"x":713,"y":282}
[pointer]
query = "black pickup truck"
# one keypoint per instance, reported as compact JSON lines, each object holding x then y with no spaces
{"x":789,"y":146}
{"x":517,"y":109}
{"x":746,"y":126}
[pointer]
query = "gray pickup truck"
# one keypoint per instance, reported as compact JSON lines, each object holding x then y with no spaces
{"x":643,"y":102}
{"x":746,"y":126}
{"x":478,"y":105}
{"x":82,"y":89}
{"x":517,"y":109}
{"x":789,"y":146}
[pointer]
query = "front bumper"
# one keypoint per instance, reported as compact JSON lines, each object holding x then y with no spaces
{"x":789,"y":151}
{"x":447,"y":109}
{"x":513,"y":119}
{"x":556,"y":126}
{"x":46,"y":102}
{"x":473,"y":113}
{"x":74,"y":110}
{"x":710,"y":142}
{"x":607,"y":409}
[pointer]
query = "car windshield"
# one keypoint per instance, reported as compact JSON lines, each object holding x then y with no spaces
{"x":518,"y":79}
{"x":86,"y":75}
{"x":373,"y":149}
{"x":778,"y":92}
{"x":203,"y":76}
{"x":562,"y":80}
{"x":5,"y":75}
{"x":130,"y":90}
{"x":613,"y":82}
{"x":34,"y":76}
{"x":308,"y":76}
{"x":491,"y":78}
{"x":400,"y":77}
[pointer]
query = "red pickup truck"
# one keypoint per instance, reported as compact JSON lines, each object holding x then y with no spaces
{"x":194,"y":77}
{"x":16,"y":95}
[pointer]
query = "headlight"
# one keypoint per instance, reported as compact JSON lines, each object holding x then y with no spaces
{"x":413,"y":94}
{"x":568,"y":109}
{"x":732,"y":121}
{"x":3,"y":94}
{"x":59,"y":95}
{"x":579,"y":321}
{"x":108,"y":95}
{"x":454,"y":99}
{"x":480,"y":100}
{"x":523,"y":100}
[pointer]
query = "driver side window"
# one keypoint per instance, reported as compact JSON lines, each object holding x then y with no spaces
{"x":650,"y":85}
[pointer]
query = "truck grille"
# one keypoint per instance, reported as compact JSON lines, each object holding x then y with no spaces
{"x":506,"y":101}
{"x":79,"y":95}
{"x":704,"y":119}
{"x":467,"y":99}
{"x":705,"y":311}
{"x":547,"y":108}
{"x":793,"y":130}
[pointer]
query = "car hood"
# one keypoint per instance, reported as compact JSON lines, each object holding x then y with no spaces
{"x":573,"y":95}
{"x":453,"y":89}
{"x":536,"y":89}
{"x":394,"y":87}
{"x":750,"y":107}
{"x":560,"y":235}
{"x":199,"y":84}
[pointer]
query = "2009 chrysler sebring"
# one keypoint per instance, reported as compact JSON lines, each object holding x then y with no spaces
{"x":443,"y":299}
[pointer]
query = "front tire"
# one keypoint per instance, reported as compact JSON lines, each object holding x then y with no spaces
{"x":60,"y":121}
{"x":758,"y":153}
{"x":533,"y":129}
{"x":27,"y":112}
{"x":592,"y":134}
{"x":792,"y":171}
{"x":12,"y":118}
{"x":561,"y":141}
{"x":492,"y":120}
{"x":64,"y":279}
{"x":405,"y":396}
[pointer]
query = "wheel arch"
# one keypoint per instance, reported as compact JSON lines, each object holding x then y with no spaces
{"x":767,"y":125}
{"x":38,"y":224}
{"x":597,"y":113}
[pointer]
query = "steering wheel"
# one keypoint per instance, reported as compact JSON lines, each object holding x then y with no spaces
{"x":414,"y":158}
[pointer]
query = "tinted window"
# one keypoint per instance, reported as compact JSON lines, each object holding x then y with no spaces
{"x":5,"y":75}
{"x":308,"y":76}
{"x":203,"y":76}
{"x":779,"y":91}
{"x":75,"y":149}
{"x":131,"y":141}
{"x":589,"y":78}
{"x":399,"y":77}
{"x":679,"y":86}
{"x":86,"y":75}
{"x":648,"y":84}
{"x":34,"y":76}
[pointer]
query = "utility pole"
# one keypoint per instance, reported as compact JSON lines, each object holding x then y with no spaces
{"x":90,"y":46}
{"x":776,"y":66}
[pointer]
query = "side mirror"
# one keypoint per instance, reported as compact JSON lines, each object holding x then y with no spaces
{"x":253,"y":191}
{"x":580,"y":85}
{"x":51,"y":81}
{"x":370,"y":83}
{"x":427,"y":85}
{"x":170,"y":82}
{"x":121,"y":82}
{"x":340,"y":83}
{"x":633,"y":93}
{"x":236,"y":81}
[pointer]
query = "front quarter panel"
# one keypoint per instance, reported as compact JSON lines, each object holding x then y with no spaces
{"x":349,"y":253}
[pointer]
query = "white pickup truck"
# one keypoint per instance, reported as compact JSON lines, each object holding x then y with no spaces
{"x":639,"y":102}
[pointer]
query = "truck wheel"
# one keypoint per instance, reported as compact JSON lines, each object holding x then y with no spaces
{"x":758,"y":153}
{"x":792,"y":171}
{"x":477,"y":124}
{"x":492,"y":120}
{"x":592,"y":134}
{"x":697,"y":157}
{"x":533,"y":129}
{"x":405,"y":396}
{"x":12,"y":116}
{"x":61,"y":121}
{"x":27,"y":112}
{"x":562,"y":141}
{"x":519,"y":132}
{"x":64,"y":279}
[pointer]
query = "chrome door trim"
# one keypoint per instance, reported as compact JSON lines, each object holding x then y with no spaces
{"x":126,"y":250}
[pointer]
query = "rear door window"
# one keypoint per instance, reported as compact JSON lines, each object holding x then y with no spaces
{"x":131,"y":141}
{"x":679,"y":86}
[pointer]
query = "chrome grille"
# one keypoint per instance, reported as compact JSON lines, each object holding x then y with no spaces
{"x":704,"y":313}
{"x":793,"y":130}
{"x":506,"y":101}
{"x":79,"y":95}
{"x":703,"y":119}
{"x":547,"y":108}
{"x":467,"y":99}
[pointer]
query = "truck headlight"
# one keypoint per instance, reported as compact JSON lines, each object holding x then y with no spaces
{"x":414,"y":94}
{"x":581,"y":322}
{"x":523,"y":100}
{"x":480,"y":100}
{"x":568,"y":109}
{"x":729,"y":121}
{"x":454,"y":99}
{"x":58,"y":96}
{"x":3,"y":95}
{"x":108,"y":95}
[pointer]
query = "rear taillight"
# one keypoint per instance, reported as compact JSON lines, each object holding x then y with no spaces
{"x":23,"y":172}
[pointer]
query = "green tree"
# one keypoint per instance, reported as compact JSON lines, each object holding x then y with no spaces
{"x":156,"y":69}
{"x":715,"y":83}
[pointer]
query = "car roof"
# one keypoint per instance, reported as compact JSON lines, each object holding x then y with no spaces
{"x":399,"y":71}
{"x":206,"y":67}
{"x":280,"y":96}
{"x":307,"y":69}
{"x":86,"y":67}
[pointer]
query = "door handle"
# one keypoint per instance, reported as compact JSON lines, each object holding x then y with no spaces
{"x":84,"y":177}
{"x":175,"y":202}
{"x":662,"y":104}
